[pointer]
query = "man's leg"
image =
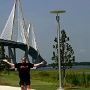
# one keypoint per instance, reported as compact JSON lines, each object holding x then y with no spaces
{"x":21,"y":83}
{"x":22,"y":87}
{"x":28,"y":87}
{"x":28,"y":84}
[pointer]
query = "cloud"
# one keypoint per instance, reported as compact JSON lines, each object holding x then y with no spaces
{"x":81,"y":51}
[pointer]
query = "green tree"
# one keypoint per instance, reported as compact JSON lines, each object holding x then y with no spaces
{"x":66,"y":53}
{"x":2,"y":55}
{"x":3,"y":65}
{"x":7,"y":66}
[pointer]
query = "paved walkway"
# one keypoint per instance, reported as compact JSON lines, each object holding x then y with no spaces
{"x":10,"y":88}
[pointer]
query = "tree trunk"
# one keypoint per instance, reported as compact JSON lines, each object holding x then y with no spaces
{"x":64,"y":77}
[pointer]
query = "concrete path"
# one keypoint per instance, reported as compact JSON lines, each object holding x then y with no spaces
{"x":10,"y":88}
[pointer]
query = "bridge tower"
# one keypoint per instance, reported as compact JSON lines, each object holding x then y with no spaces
{"x":22,"y":41}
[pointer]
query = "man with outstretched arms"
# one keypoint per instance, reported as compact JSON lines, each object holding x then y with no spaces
{"x":24,"y":71}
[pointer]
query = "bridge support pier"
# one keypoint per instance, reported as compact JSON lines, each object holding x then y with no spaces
{"x":9,"y":53}
{"x":33,"y":61}
{"x":26,"y":54}
{"x":12,"y":54}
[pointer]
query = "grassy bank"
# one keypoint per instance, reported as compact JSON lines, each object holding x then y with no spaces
{"x":13,"y":80}
{"x":48,"y":79}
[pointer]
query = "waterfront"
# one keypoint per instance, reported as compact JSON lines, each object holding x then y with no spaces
{"x":74,"y":67}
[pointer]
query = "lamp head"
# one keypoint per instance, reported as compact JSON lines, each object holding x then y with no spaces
{"x":58,"y":11}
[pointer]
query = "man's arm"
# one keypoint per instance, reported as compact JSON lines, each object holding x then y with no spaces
{"x":38,"y":64}
{"x":11,"y":64}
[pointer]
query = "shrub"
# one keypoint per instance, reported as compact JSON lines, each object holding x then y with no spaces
{"x":44,"y":74}
{"x":78,"y":79}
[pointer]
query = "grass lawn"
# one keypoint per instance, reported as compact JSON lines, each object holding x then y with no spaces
{"x":77,"y":88}
{"x":36,"y":83}
{"x":13,"y":80}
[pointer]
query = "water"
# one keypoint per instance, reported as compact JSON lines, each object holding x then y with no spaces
{"x":74,"y":67}
{"x":81,"y":67}
{"x":46,"y":68}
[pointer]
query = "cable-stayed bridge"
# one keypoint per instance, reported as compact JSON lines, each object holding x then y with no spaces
{"x":22,"y":39}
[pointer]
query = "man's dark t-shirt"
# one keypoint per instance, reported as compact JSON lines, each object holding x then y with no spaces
{"x":24,"y":70}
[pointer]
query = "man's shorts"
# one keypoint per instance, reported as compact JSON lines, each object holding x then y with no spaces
{"x":24,"y":82}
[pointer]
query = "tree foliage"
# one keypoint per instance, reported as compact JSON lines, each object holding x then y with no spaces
{"x":3,"y":65}
{"x":66,"y":52}
{"x":2,"y":55}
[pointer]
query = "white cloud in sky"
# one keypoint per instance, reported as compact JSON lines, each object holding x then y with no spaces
{"x":81,"y":51}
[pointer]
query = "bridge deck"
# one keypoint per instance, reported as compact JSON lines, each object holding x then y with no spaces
{"x":32,"y":52}
{"x":11,"y":43}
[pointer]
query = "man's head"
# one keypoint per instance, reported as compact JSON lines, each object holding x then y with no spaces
{"x":23,"y":59}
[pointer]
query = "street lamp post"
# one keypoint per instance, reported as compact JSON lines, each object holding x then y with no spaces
{"x":58,"y":36}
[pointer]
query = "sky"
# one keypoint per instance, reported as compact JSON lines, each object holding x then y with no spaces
{"x":75,"y":21}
